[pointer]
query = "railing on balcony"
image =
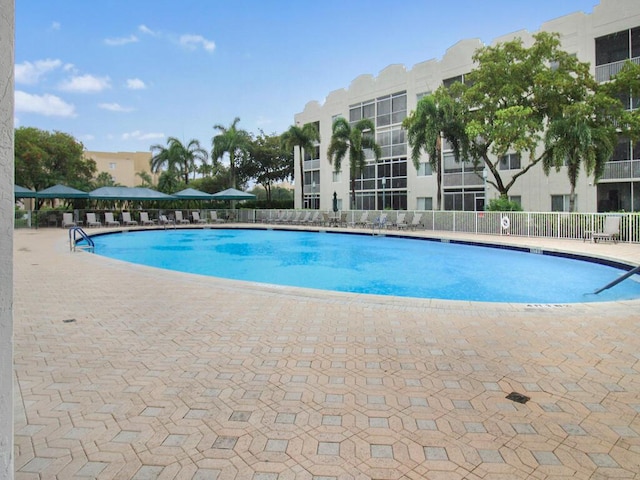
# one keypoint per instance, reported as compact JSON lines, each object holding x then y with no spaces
{"x":605,"y":72}
{"x":624,"y":169}
{"x":462,"y":179}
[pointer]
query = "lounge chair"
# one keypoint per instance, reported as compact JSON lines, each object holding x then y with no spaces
{"x":164,"y":220}
{"x":109,"y":221}
{"x":362,"y":221}
{"x":213,"y":215}
{"x":610,"y":231}
{"x":144,"y":219}
{"x":342,"y":220}
{"x":67,"y":220}
{"x":180,"y":218}
{"x":92,"y":221}
{"x":126,"y":219}
{"x":400,"y":221}
{"x":196,"y":217}
{"x":415,"y":221}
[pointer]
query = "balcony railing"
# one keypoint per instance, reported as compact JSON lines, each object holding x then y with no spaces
{"x":462,"y":179}
{"x":624,"y":169}
{"x":605,"y":72}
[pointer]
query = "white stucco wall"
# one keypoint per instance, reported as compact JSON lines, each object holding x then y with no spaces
{"x":7,"y":28}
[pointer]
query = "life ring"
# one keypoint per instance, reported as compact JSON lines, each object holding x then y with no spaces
{"x":505,"y":222}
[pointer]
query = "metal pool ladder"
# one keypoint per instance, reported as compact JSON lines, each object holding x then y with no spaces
{"x":77,"y":233}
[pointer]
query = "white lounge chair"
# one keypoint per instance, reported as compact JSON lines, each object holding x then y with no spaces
{"x":164,"y":220}
{"x":213,"y":215}
{"x":180,"y":218}
{"x":196,"y":217}
{"x":415,"y":221}
{"x":92,"y":221}
{"x":362,"y":221}
{"x":109,"y":221}
{"x":610,"y":231}
{"x":400,"y":221}
{"x":67,"y":220}
{"x":144,"y":219}
{"x":126,"y":219}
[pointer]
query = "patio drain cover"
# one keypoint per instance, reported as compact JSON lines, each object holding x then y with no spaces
{"x":69,"y":320}
{"x":518,"y":397}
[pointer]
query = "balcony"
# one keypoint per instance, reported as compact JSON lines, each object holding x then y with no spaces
{"x":462,"y":179}
{"x":605,"y":72}
{"x":622,"y":170}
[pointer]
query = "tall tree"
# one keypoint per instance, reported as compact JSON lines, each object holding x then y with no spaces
{"x":43,"y":159}
{"x":232,"y":141}
{"x":178,"y":158}
{"x":436,"y":117}
{"x":576,"y":140}
{"x":511,"y":97}
{"x":269,"y":161}
{"x":352,"y":141}
{"x":304,"y":139}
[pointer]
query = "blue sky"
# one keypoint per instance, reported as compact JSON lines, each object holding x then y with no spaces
{"x":124,"y":75}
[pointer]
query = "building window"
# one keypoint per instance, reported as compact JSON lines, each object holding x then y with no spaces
{"x":313,"y":154}
{"x":424,"y":170}
{"x":425,"y":203}
{"x":362,"y":110}
{"x":423,"y":94}
{"x":511,"y":161}
{"x":516,"y":199}
{"x":560,"y":203}
{"x":112,"y":165}
{"x":612,"y":48}
{"x":391,"y":109}
{"x":337,"y":177}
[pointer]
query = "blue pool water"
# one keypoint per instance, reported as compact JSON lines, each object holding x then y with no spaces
{"x":371,"y":264}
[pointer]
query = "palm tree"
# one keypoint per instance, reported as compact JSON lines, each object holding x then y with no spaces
{"x":435,"y":118}
{"x":352,"y":141}
{"x":574,"y":140}
{"x":233,"y":141}
{"x":304,"y":139}
{"x":177,"y":158}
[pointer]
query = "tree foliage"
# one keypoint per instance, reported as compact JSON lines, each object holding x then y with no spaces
{"x":437,"y":117}
{"x":232,"y":141}
{"x":44,"y":159}
{"x":268,"y":162}
{"x":178,"y":159}
{"x":352,"y":142}
{"x":304,"y":139}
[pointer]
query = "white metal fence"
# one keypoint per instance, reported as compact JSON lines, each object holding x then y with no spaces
{"x":522,"y":224}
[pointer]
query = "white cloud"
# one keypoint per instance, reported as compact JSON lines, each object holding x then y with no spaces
{"x":193,"y":41}
{"x":55,"y":26}
{"x":117,"y":42}
{"x":138,"y":135}
{"x":146,"y":30}
{"x":135,"y":84}
{"x":48,"y":105}
{"x":86,"y":84}
{"x":30,"y":73}
{"x":114,"y":107}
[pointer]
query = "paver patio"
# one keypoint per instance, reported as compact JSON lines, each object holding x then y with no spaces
{"x":125,"y":371}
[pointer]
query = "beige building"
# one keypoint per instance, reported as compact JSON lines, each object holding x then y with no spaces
{"x":123,"y":166}
{"x":605,"y":38}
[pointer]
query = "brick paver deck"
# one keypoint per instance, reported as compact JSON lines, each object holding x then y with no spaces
{"x":128,"y":372}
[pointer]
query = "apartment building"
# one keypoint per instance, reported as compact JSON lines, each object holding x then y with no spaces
{"x":123,"y":166}
{"x":605,"y":38}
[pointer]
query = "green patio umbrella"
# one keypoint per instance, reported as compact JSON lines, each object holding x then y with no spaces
{"x":61,"y":191}
{"x":192,"y":194}
{"x":233,"y":194}
{"x":128,"y":193}
{"x":21,"y":192}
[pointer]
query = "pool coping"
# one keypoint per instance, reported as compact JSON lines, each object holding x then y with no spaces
{"x":498,"y":242}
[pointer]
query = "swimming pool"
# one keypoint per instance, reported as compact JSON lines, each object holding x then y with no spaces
{"x":382,"y":265}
